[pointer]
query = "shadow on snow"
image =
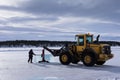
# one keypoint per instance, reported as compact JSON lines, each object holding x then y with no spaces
{"x":109,"y":68}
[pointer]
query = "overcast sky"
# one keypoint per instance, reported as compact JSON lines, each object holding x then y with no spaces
{"x":59,"y":19}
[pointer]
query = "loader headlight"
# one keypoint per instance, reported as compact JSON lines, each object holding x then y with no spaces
{"x":106,"y":49}
{"x":103,"y":50}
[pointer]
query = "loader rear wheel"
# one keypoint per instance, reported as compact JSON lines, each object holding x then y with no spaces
{"x":100,"y":62}
{"x":65,"y":59}
{"x":89,"y":59}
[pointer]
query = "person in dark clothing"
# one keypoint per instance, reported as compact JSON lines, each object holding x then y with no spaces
{"x":31,"y":53}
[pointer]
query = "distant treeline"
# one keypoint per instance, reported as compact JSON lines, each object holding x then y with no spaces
{"x":111,"y":43}
{"x":33,"y":43}
{"x":41,"y":43}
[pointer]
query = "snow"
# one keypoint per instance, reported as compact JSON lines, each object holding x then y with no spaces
{"x":14,"y":66}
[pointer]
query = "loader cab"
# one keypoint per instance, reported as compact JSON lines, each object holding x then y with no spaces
{"x":83,"y":39}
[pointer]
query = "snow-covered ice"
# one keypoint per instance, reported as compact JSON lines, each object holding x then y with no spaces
{"x":14,"y":66}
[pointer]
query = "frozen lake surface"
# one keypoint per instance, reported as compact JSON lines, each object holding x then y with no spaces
{"x":14,"y":66}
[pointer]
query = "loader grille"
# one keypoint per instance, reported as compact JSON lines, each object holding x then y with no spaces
{"x":107,"y":49}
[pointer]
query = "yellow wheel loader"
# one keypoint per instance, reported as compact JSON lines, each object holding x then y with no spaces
{"x":85,"y":50}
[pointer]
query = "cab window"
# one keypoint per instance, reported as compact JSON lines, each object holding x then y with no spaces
{"x":89,"y":39}
{"x":81,"y":40}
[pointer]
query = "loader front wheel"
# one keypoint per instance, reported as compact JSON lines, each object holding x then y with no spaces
{"x":89,"y":59}
{"x":65,"y":59}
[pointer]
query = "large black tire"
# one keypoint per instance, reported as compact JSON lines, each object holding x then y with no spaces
{"x":89,"y":59}
{"x":65,"y":58}
{"x":100,"y":62}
